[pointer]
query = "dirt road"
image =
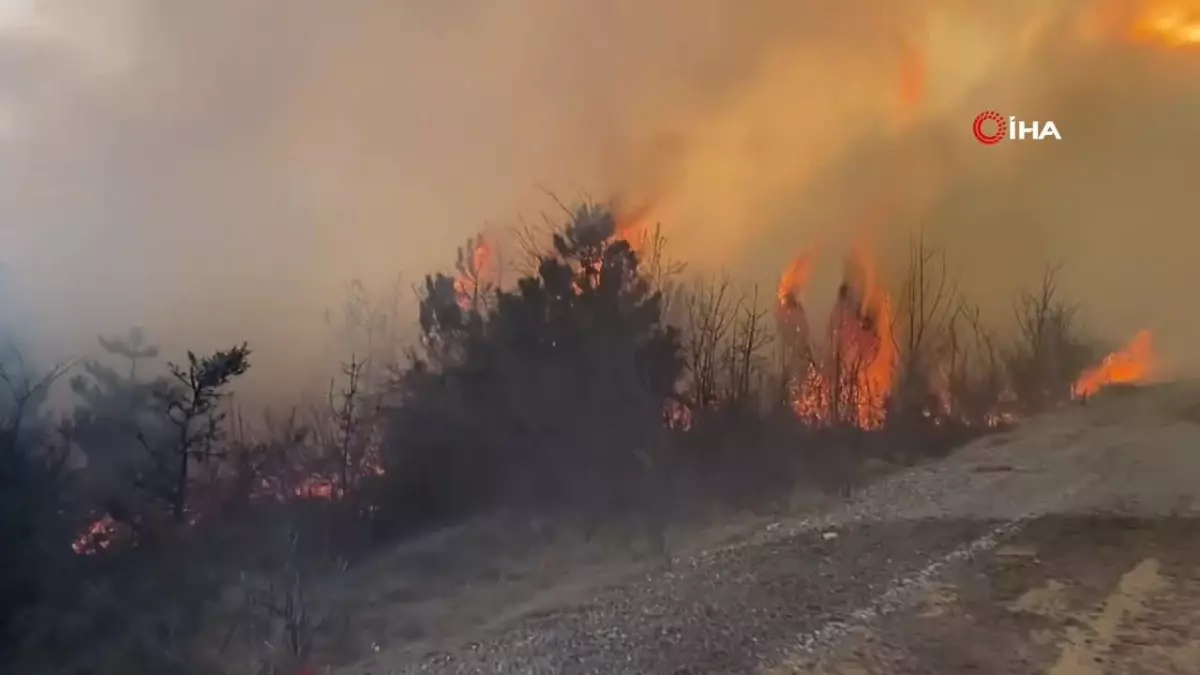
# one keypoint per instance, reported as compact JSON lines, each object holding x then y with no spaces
{"x":1068,"y":547}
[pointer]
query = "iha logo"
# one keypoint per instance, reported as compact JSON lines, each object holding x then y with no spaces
{"x":990,"y":128}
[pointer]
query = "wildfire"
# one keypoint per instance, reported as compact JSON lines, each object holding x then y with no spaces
{"x":1134,"y":363}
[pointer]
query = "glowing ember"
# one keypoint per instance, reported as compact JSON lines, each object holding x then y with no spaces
{"x":1135,"y":363}
{"x":939,"y":383}
{"x":810,"y":398}
{"x":98,"y":536}
{"x":677,"y":416}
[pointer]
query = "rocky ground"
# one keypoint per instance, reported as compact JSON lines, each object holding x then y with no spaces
{"x":1067,"y":547}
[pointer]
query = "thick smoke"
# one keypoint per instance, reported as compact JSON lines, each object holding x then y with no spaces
{"x":217,"y":170}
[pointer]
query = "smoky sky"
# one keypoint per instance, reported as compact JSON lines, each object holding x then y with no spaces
{"x":218,"y":170}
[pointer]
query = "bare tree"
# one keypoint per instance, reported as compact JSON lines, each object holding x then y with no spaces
{"x":725,"y":333}
{"x":710,"y":314}
{"x":659,"y":268}
{"x":372,"y":323}
{"x":349,"y":410}
{"x":1040,"y":359}
{"x":744,"y":360}
{"x":926,"y":307}
{"x":531,"y":241}
{"x":26,"y":392}
{"x":977,"y":373}
{"x":285,"y":601}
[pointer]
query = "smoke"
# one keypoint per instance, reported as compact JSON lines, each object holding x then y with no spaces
{"x":217,"y":171}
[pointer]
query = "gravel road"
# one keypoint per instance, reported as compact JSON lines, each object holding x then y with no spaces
{"x":1067,"y":547}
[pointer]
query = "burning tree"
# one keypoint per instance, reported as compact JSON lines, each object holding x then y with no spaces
{"x":848,"y":379}
{"x":477,"y":273}
{"x":927,"y":357}
{"x":862,"y":358}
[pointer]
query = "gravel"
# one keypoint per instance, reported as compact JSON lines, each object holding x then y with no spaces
{"x":798,"y":587}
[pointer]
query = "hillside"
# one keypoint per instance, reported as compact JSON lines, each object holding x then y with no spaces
{"x":1066,"y":546}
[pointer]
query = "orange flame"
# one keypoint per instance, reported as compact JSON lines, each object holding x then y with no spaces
{"x":1168,"y":24}
{"x":862,"y":343}
{"x":805,"y":387}
{"x":795,"y":278}
{"x":475,"y":273}
{"x":810,"y":397}
{"x":1171,"y":24}
{"x":1135,"y":363}
{"x":854,"y":379}
{"x":633,"y":227}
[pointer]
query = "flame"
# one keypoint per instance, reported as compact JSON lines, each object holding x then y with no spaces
{"x":475,"y":273}
{"x":633,"y":227}
{"x":1135,"y":363}
{"x":863,"y":348}
{"x":795,"y":277}
{"x":853,"y":380}
{"x":811,"y":397}
{"x":805,"y":391}
{"x":1171,"y":24}
{"x":1168,"y":24}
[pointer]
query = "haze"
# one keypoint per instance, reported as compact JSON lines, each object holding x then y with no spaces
{"x":218,"y":170}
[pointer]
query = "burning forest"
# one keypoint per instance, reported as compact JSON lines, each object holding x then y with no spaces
{"x":555,"y":394}
{"x":892,"y":356}
{"x":576,"y":373}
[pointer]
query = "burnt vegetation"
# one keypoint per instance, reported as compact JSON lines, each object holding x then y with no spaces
{"x":153,"y":528}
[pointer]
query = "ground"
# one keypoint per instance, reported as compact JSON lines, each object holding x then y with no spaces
{"x":1066,"y":547}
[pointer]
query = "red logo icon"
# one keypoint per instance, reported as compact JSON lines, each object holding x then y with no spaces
{"x":986,"y":119}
